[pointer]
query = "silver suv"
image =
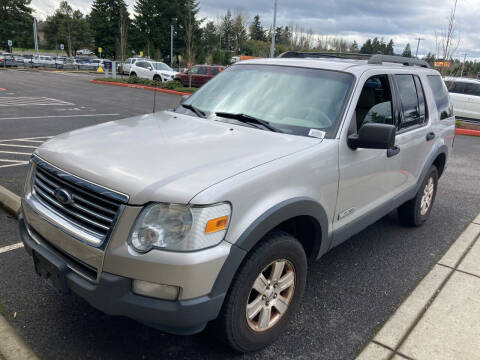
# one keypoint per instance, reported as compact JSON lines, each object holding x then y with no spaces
{"x":211,"y":212}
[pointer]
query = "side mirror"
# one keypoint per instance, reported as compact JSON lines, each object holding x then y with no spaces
{"x":373,"y":136}
{"x":184,"y":98}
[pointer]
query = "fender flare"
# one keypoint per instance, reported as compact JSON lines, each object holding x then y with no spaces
{"x":270,"y":219}
{"x":442,"y":149}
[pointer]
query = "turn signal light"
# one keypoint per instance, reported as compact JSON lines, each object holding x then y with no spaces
{"x":215,"y":225}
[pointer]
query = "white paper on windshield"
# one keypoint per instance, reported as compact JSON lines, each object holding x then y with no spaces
{"x":316,"y":133}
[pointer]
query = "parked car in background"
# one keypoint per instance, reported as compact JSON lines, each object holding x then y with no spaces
{"x":43,"y":60}
{"x":84,"y":52}
{"x":465,"y":95}
{"x":60,"y":60}
{"x":7,"y":60}
{"x":153,"y":70}
{"x":200,"y":74}
{"x":127,"y":64}
{"x":104,"y":63}
{"x":19,"y":59}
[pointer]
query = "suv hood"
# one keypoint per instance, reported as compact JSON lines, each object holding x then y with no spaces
{"x":165,"y":156}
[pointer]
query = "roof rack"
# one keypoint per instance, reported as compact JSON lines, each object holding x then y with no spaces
{"x":340,"y":55}
{"x":377,"y":59}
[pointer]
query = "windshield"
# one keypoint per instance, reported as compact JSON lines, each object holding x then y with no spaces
{"x":161,"y":66}
{"x":292,"y":99}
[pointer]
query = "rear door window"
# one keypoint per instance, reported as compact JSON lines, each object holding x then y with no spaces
{"x":409,"y":99}
{"x":473,"y":89}
{"x":442,"y":99}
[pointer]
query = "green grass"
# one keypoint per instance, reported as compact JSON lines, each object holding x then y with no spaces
{"x":15,"y":49}
{"x":2,"y":309}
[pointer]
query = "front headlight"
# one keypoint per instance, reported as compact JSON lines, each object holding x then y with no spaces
{"x":179,"y":227}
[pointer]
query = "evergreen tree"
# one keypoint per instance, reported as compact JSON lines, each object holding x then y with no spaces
{"x":210,"y":38}
{"x":16,"y":22}
{"x":353,"y":47}
{"x":367,"y":47}
{"x":152,"y":26}
{"x":104,"y":21}
{"x":407,"y":52}
{"x":69,"y":27}
{"x":256,"y":29}
{"x":389,"y":49}
{"x":239,"y":33}
{"x":227,"y":31}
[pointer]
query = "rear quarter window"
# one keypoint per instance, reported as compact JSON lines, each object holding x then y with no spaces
{"x":440,"y":94}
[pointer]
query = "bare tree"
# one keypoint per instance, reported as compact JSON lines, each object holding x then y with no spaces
{"x":449,"y":38}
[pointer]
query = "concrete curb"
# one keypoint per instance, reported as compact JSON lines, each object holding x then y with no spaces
{"x":399,"y":337}
{"x":12,"y":346}
{"x":467,"y":132}
{"x":137,"y":86}
{"x":9,"y":201}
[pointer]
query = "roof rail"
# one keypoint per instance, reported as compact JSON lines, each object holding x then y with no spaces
{"x":307,"y":54}
{"x":372,"y":59}
{"x":379,"y":59}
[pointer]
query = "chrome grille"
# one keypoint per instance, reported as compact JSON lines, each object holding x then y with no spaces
{"x":91,"y":208}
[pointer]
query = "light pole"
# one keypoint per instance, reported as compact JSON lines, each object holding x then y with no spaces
{"x":272,"y":48}
{"x":171,"y":44}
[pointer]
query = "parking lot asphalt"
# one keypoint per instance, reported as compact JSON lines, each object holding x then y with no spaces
{"x":37,"y":105}
{"x":350,"y":292}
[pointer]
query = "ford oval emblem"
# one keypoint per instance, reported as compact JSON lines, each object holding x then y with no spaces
{"x":63,"y":196}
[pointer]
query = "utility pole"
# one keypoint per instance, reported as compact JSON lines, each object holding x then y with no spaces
{"x":418,"y":45}
{"x":463,"y":64}
{"x":272,"y":48}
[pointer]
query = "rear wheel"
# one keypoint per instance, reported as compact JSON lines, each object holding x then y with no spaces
{"x":264,"y":294}
{"x":416,"y":211}
{"x":157,"y":78}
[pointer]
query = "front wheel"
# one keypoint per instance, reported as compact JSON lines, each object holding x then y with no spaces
{"x":264,"y":294}
{"x":416,"y":211}
{"x":133,"y":75}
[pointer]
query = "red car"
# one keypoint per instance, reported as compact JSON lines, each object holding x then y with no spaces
{"x":200,"y":74}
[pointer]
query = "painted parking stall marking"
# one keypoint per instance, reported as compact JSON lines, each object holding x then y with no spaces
{"x":17,"y":152}
{"x":31,"y":101}
{"x":11,"y":247}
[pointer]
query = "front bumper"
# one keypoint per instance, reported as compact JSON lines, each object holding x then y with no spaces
{"x":113,"y":294}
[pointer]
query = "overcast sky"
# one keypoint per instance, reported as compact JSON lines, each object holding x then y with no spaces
{"x":402,"y":20}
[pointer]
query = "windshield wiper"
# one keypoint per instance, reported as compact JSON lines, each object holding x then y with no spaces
{"x":196,"y":110}
{"x":249,"y":120}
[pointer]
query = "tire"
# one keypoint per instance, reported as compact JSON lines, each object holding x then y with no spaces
{"x":249,"y":335}
{"x":133,"y":75}
{"x":157,"y":78}
{"x":416,"y":211}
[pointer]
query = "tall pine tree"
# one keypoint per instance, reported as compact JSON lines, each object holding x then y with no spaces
{"x":104,"y":22}
{"x":16,"y":23}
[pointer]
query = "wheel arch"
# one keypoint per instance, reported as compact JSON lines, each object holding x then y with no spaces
{"x":300,"y":217}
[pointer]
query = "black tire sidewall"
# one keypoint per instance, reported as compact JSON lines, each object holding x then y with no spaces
{"x":419,"y":218}
{"x":283,"y":246}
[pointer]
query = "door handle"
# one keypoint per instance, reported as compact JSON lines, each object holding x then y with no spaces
{"x":393,"y":151}
{"x":430,"y":136}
